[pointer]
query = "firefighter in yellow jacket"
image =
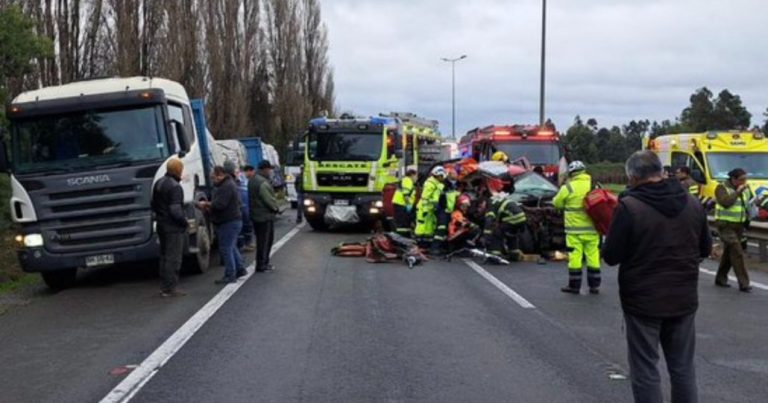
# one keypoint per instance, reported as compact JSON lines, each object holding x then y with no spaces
{"x":426,"y":209}
{"x":582,"y":238}
{"x":403,"y":201}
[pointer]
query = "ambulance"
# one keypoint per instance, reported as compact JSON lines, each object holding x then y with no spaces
{"x":711,"y":155}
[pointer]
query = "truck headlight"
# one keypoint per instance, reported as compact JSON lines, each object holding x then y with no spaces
{"x":309,"y":202}
{"x":31,"y":240}
{"x":378,"y":204}
{"x":374,"y":211}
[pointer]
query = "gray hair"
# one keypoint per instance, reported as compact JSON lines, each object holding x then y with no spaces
{"x":643,"y":165}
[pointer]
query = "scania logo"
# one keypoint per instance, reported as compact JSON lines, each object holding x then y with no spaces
{"x":88,"y":180}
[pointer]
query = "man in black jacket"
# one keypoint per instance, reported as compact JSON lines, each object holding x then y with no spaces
{"x":168,"y":206}
{"x":659,"y":235}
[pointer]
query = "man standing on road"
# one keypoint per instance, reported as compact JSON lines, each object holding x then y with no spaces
{"x":581,"y":237}
{"x":168,"y":206}
{"x":732,"y":219}
{"x":226,"y":215}
{"x":264,"y":207}
{"x":658,"y":236}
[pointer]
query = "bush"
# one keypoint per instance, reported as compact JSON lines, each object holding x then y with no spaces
{"x":5,"y":197}
{"x":608,"y":173}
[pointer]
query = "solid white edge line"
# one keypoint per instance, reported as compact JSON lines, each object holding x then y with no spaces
{"x":501,"y":286}
{"x":139,"y":377}
{"x":732,"y":278}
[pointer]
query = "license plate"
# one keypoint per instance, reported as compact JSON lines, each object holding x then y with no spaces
{"x":341,"y":202}
{"x":99,"y":260}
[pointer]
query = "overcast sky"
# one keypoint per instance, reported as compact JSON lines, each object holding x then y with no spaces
{"x":615,"y":60}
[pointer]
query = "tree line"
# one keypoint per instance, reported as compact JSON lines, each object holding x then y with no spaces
{"x":590,"y":143}
{"x":261,"y":65}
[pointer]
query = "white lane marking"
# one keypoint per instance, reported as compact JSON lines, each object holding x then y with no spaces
{"x":136,"y":380}
{"x":501,"y":286}
{"x":752,"y":283}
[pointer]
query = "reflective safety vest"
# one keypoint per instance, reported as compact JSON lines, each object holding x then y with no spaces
{"x":737,"y":213}
{"x":404,"y":194}
{"x":691,"y":186}
{"x":504,"y":211}
{"x":430,"y":196}
{"x":570,"y":199}
{"x":450,"y":200}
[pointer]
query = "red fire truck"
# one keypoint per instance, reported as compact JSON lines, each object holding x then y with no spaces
{"x":540,"y":145}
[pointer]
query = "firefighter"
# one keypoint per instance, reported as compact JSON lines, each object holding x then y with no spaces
{"x":581,"y":237}
{"x":683,"y":174}
{"x":500,"y":156}
{"x":403,"y":201}
{"x":462,"y":231}
{"x":445,"y":206}
{"x":731,"y":218}
{"x":426,"y":209}
{"x":504,"y":222}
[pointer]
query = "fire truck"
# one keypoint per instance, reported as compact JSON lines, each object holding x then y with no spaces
{"x":540,"y":145}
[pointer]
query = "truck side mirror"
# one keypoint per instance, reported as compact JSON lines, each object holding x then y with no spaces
{"x":698,"y":176}
{"x":181,"y":138}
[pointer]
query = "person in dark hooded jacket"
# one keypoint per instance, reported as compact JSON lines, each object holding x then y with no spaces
{"x":658,"y":236}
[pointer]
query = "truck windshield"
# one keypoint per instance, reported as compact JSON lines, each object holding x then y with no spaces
{"x":537,"y":153}
{"x":88,"y":139}
{"x":345,"y":146}
{"x":756,"y":164}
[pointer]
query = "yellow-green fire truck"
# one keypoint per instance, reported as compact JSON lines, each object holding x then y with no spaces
{"x":348,"y":161}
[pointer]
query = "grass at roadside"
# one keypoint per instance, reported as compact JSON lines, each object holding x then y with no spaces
{"x":615,"y":187}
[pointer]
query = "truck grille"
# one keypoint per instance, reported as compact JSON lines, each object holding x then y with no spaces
{"x":342,"y":180}
{"x":97,"y":219}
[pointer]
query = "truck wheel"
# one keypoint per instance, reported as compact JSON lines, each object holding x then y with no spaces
{"x":200,"y":260}
{"x":61,"y":279}
{"x":318,"y":224}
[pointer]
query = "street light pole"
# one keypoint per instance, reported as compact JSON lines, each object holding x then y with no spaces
{"x":453,"y":92}
{"x":543,"y":61}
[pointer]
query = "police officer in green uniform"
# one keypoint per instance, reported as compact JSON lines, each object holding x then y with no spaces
{"x":683,"y":174}
{"x":732,"y":218}
{"x":403,"y":201}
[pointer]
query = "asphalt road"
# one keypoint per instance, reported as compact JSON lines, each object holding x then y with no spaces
{"x":323,"y":328}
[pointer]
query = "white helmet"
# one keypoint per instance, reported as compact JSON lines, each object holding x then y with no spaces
{"x":576,"y":166}
{"x":439,"y":171}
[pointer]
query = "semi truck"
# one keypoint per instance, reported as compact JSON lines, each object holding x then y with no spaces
{"x":540,"y":145}
{"x":349,"y":161}
{"x":711,"y":155}
{"x":83,"y":161}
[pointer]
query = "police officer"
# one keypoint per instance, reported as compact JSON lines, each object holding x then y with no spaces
{"x":732,"y":218}
{"x":403,"y":201}
{"x":445,"y":206}
{"x":504,"y":222}
{"x":426,"y":209}
{"x":581,"y":238}
{"x":683,"y":174}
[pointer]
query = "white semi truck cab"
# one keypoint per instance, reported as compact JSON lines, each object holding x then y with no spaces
{"x":83,"y":159}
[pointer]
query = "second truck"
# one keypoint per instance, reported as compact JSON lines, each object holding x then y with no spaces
{"x":349,"y":161}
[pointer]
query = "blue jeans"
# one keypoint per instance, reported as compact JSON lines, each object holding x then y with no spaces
{"x":230,"y":255}
{"x":299,"y":205}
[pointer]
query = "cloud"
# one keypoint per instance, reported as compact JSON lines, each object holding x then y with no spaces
{"x":614,"y":60}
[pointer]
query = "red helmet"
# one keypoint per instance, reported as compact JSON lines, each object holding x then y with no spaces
{"x":464,"y":199}
{"x":495,"y":184}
